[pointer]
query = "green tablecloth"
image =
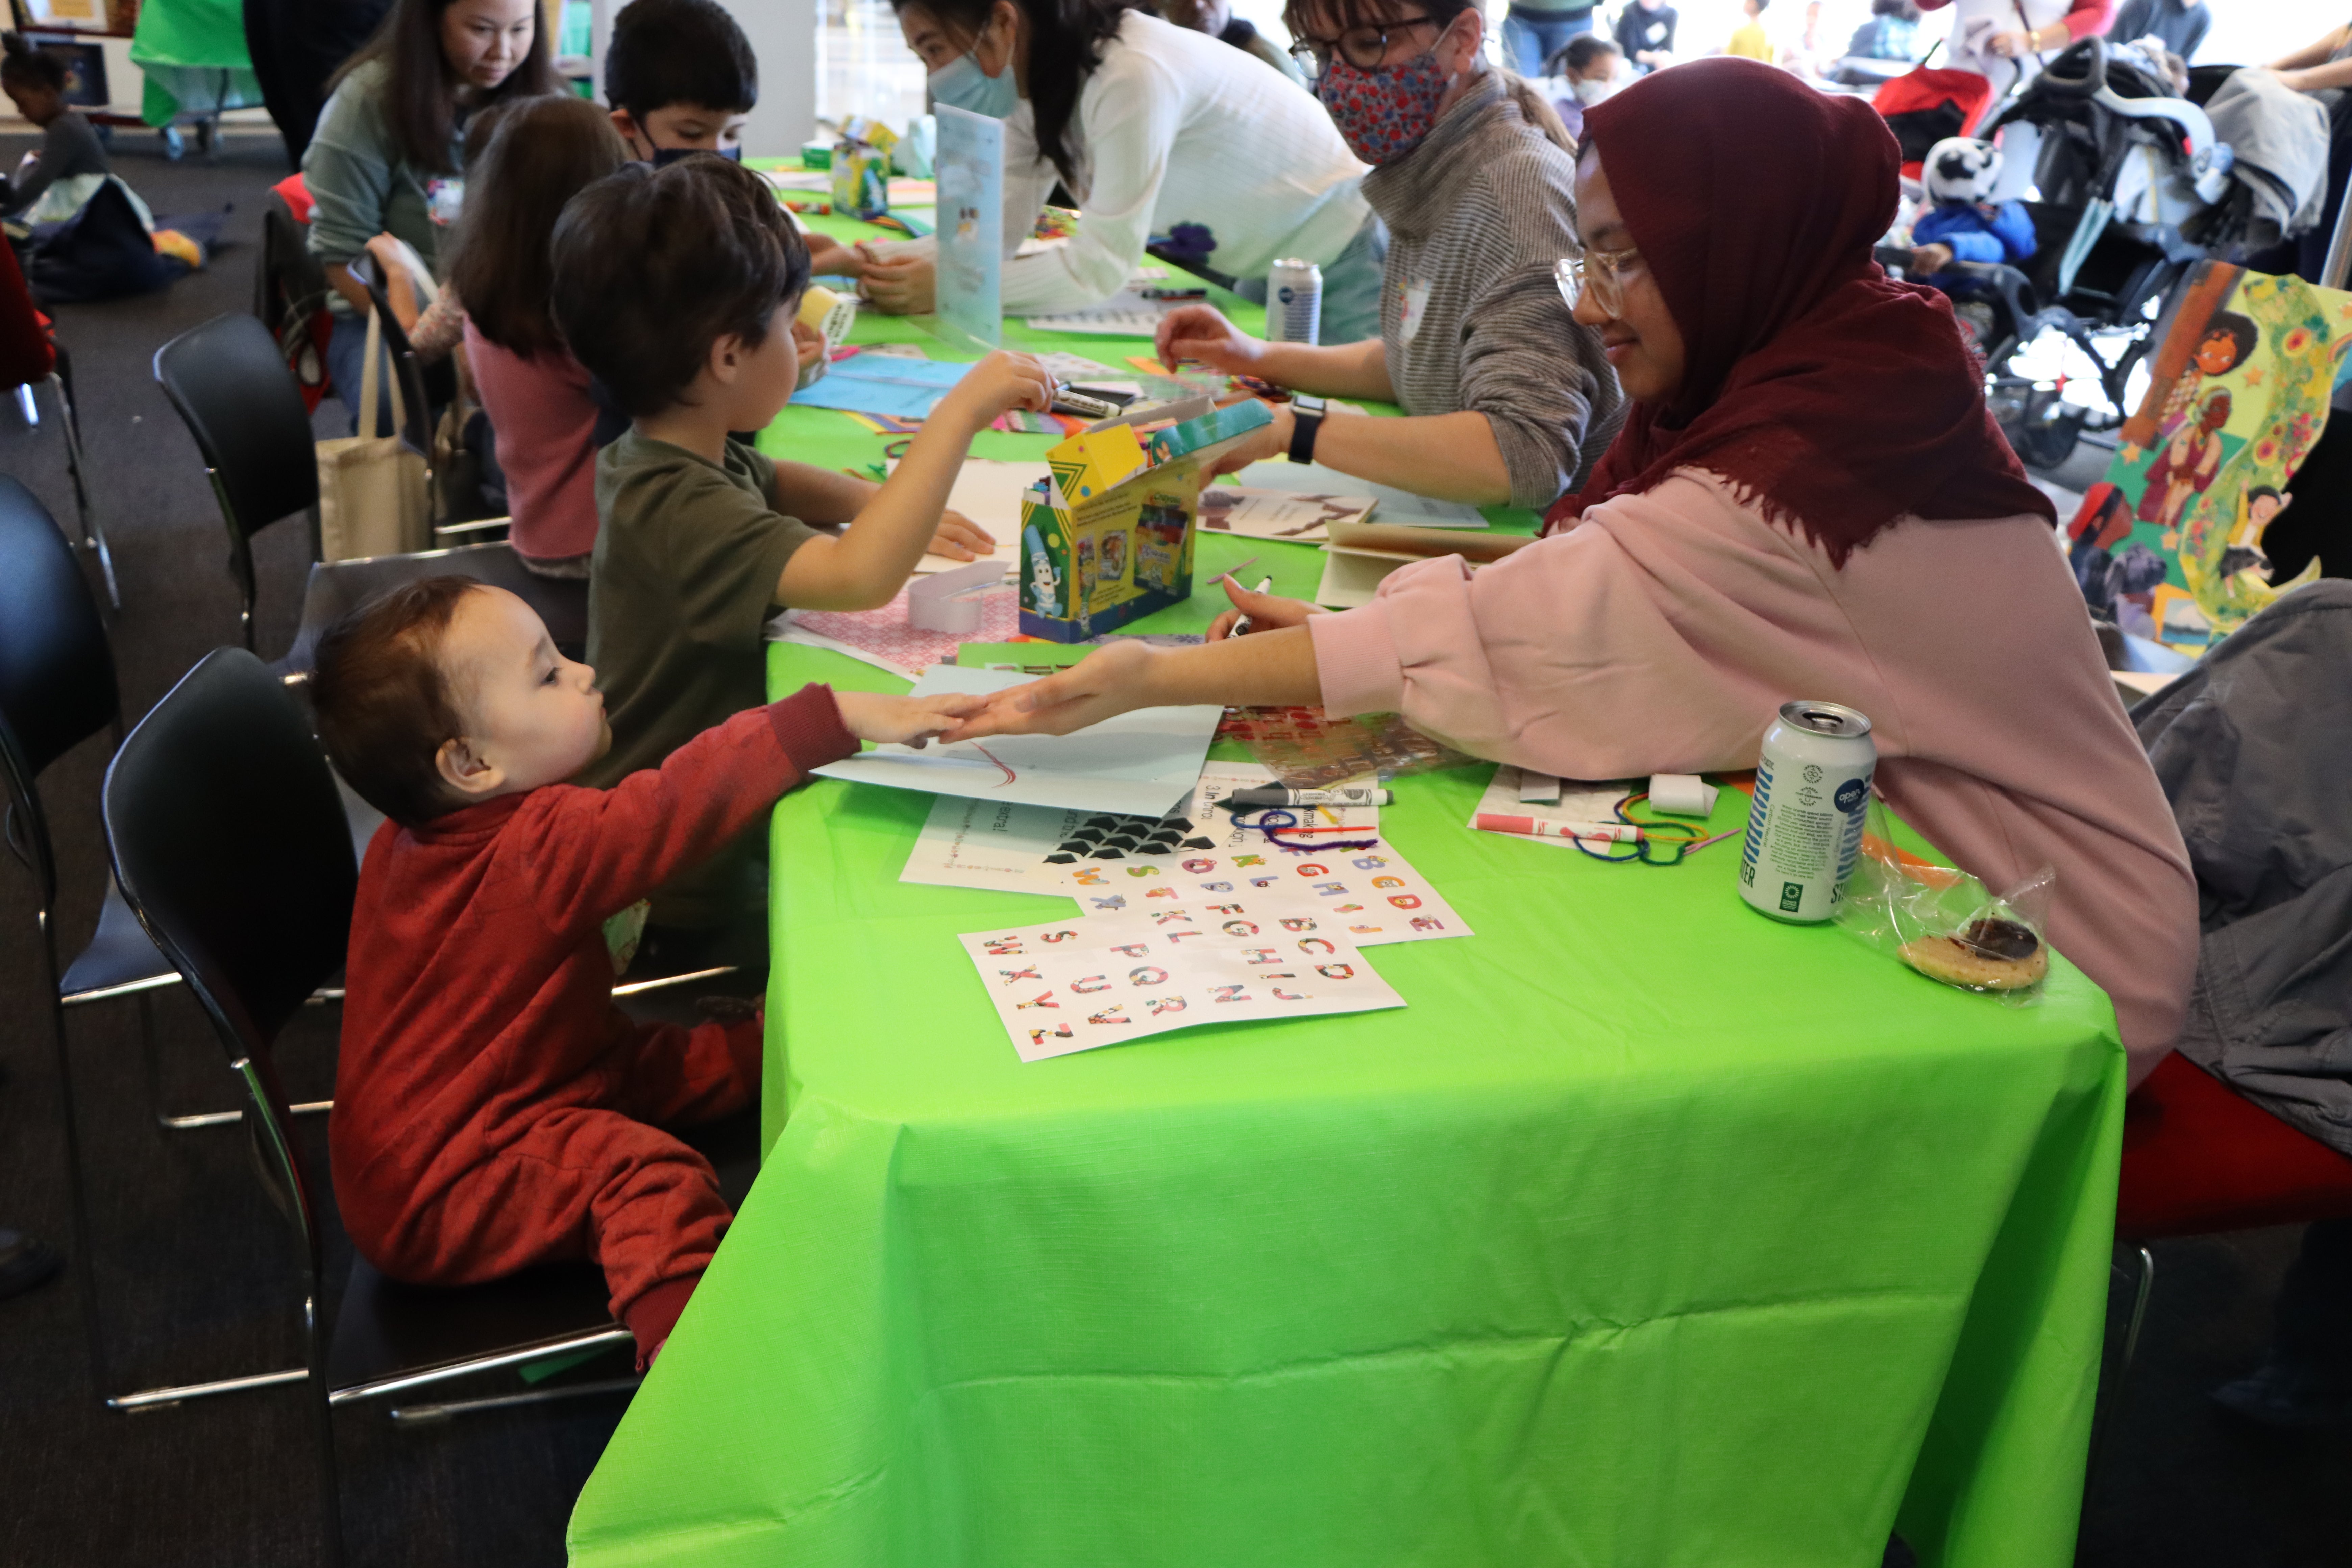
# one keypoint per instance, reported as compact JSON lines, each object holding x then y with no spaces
{"x":1650,"y":1232}
{"x":193,"y":56}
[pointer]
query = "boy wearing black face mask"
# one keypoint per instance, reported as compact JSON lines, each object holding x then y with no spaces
{"x":680,"y":77}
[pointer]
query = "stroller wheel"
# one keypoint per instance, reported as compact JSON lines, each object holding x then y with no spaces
{"x":2042,"y":426}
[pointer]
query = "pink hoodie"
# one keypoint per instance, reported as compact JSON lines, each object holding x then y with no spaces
{"x":1663,"y":632}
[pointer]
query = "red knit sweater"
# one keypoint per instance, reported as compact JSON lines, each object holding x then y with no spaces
{"x":480,"y":987}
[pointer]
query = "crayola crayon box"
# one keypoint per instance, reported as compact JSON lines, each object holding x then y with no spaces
{"x":1108,"y":538}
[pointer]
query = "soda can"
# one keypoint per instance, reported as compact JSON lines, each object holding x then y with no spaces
{"x":1805,"y":827}
{"x":1294,"y":302}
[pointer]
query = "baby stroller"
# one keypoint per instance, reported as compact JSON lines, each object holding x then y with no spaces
{"x":2132,"y":189}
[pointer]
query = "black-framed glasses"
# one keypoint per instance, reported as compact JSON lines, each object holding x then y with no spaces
{"x":1365,"y":48}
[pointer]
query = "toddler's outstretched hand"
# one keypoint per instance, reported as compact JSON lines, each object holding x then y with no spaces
{"x":908,"y":721}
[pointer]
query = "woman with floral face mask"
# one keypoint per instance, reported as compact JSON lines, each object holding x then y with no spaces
{"x":1149,"y":126}
{"x":1509,"y":401}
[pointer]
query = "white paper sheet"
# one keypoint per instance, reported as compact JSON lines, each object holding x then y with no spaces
{"x":988,"y":492}
{"x":1370,"y":896}
{"x":1072,"y":985}
{"x":1394,"y":505}
{"x":1125,"y":314}
{"x":1137,"y":764}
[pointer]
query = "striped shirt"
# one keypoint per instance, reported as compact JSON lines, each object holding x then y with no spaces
{"x":1477,"y":215}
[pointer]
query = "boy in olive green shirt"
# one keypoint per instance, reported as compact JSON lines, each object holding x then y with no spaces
{"x":667,"y":285}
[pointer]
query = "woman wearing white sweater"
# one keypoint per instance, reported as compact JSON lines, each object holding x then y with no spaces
{"x":1148,"y":126}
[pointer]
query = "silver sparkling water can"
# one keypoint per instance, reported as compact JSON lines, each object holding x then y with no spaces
{"x":1294,"y":302}
{"x":1804,"y":828}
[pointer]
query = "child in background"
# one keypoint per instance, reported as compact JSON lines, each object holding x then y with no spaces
{"x":1646,"y":34}
{"x":1581,"y":74}
{"x":541,"y":153}
{"x":667,"y":284}
{"x":35,"y":80}
{"x":1749,"y":40}
{"x":493,"y":1108}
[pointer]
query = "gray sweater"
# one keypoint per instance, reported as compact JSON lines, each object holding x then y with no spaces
{"x":69,"y":147}
{"x":1477,"y":215}
{"x":362,"y":186}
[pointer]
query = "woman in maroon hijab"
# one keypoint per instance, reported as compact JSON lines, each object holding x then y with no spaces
{"x":1807,"y":500}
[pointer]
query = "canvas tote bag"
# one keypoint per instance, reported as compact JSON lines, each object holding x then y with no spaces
{"x":374,"y":491}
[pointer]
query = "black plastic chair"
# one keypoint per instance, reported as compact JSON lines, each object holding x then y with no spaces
{"x":422,"y":388}
{"x":230,"y":384}
{"x":229,"y":842}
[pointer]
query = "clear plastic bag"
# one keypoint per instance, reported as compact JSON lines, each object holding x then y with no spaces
{"x":1947,"y":925}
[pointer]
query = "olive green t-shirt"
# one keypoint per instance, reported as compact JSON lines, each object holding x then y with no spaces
{"x":682,"y":582}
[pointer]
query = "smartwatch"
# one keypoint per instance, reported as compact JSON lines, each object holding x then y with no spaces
{"x":1306,"y":422}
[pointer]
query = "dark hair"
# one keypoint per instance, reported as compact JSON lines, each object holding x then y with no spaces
{"x":1902,"y":8}
{"x":2262,"y":492}
{"x":420,"y":101}
{"x":383,"y":699}
{"x":1585,"y":48}
{"x":653,"y":265}
{"x":540,"y":153}
{"x":679,"y":51}
{"x":28,"y":62}
{"x":1349,"y":14}
{"x":2230,"y":324}
{"x":1066,"y":44}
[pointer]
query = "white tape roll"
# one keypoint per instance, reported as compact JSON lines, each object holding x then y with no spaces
{"x":1681,"y":794}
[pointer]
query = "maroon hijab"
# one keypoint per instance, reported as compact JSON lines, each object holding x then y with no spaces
{"x":1837,"y":399}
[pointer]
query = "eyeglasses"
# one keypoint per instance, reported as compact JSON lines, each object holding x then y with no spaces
{"x":1603,"y":270}
{"x":1362,"y":47}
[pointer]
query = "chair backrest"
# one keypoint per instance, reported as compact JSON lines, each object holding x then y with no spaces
{"x":56,"y":672}
{"x":418,"y":429}
{"x":230,"y":384}
{"x":229,"y":843}
{"x":337,"y":586}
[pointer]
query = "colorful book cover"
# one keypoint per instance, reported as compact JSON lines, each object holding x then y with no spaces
{"x":2170,"y":544}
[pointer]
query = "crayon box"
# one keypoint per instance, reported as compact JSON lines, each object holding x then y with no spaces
{"x":1108,"y":538}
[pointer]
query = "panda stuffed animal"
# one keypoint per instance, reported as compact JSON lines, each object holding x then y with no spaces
{"x":1962,"y":223}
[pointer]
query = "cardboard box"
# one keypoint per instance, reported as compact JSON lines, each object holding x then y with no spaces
{"x":1108,"y":538}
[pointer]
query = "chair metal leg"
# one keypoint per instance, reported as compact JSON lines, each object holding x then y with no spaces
{"x":93,"y":535}
{"x":27,"y":407}
{"x":84,"y":1273}
{"x":180,"y":1394}
{"x":330,"y":1493}
{"x":421,"y":1415}
{"x":2102,"y":1414}
{"x":171,"y":1123}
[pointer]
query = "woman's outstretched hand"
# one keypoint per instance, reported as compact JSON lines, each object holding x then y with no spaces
{"x":1111,"y":681}
{"x":1265,"y":611}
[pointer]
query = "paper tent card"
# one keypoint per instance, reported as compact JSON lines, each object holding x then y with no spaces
{"x":1137,"y":764}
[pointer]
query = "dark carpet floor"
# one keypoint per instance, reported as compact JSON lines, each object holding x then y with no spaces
{"x":197,"y":1273}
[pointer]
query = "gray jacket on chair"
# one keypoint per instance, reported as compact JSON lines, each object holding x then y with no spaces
{"x":2255,"y":751}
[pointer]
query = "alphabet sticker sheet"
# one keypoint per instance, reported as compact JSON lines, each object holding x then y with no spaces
{"x":1072,"y":986}
{"x":1370,"y":895}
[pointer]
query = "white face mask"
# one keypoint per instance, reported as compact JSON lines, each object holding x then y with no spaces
{"x":1590,"y":90}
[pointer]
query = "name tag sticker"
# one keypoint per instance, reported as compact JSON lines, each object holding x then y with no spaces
{"x":1415,"y":307}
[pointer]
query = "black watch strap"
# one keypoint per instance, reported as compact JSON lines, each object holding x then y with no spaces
{"x":1306,"y":424}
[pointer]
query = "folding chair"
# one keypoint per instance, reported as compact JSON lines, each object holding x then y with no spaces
{"x":30,"y":357}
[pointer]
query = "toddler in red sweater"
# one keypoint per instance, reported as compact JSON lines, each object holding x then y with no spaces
{"x":493,"y":1108}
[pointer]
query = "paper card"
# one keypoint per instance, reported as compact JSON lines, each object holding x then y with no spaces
{"x":1370,"y":895}
{"x":1125,"y":314}
{"x":894,"y":385}
{"x":1394,"y":505}
{"x":988,"y":492}
{"x":1072,"y":985}
{"x":1272,"y":514}
{"x":1587,"y":808}
{"x":970,"y":200}
{"x":1025,"y":849}
{"x":1138,"y":763}
{"x":888,"y":638}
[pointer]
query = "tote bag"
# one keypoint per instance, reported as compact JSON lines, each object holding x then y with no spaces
{"x":374,"y":491}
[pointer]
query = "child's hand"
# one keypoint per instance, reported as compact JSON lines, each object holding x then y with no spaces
{"x":908,"y":721}
{"x":1111,"y":681}
{"x":900,"y":286}
{"x":1929,"y":259}
{"x":1001,"y":381}
{"x":829,"y":258}
{"x":961,"y":539}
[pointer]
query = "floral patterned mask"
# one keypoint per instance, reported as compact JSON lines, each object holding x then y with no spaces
{"x":1383,"y":114}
